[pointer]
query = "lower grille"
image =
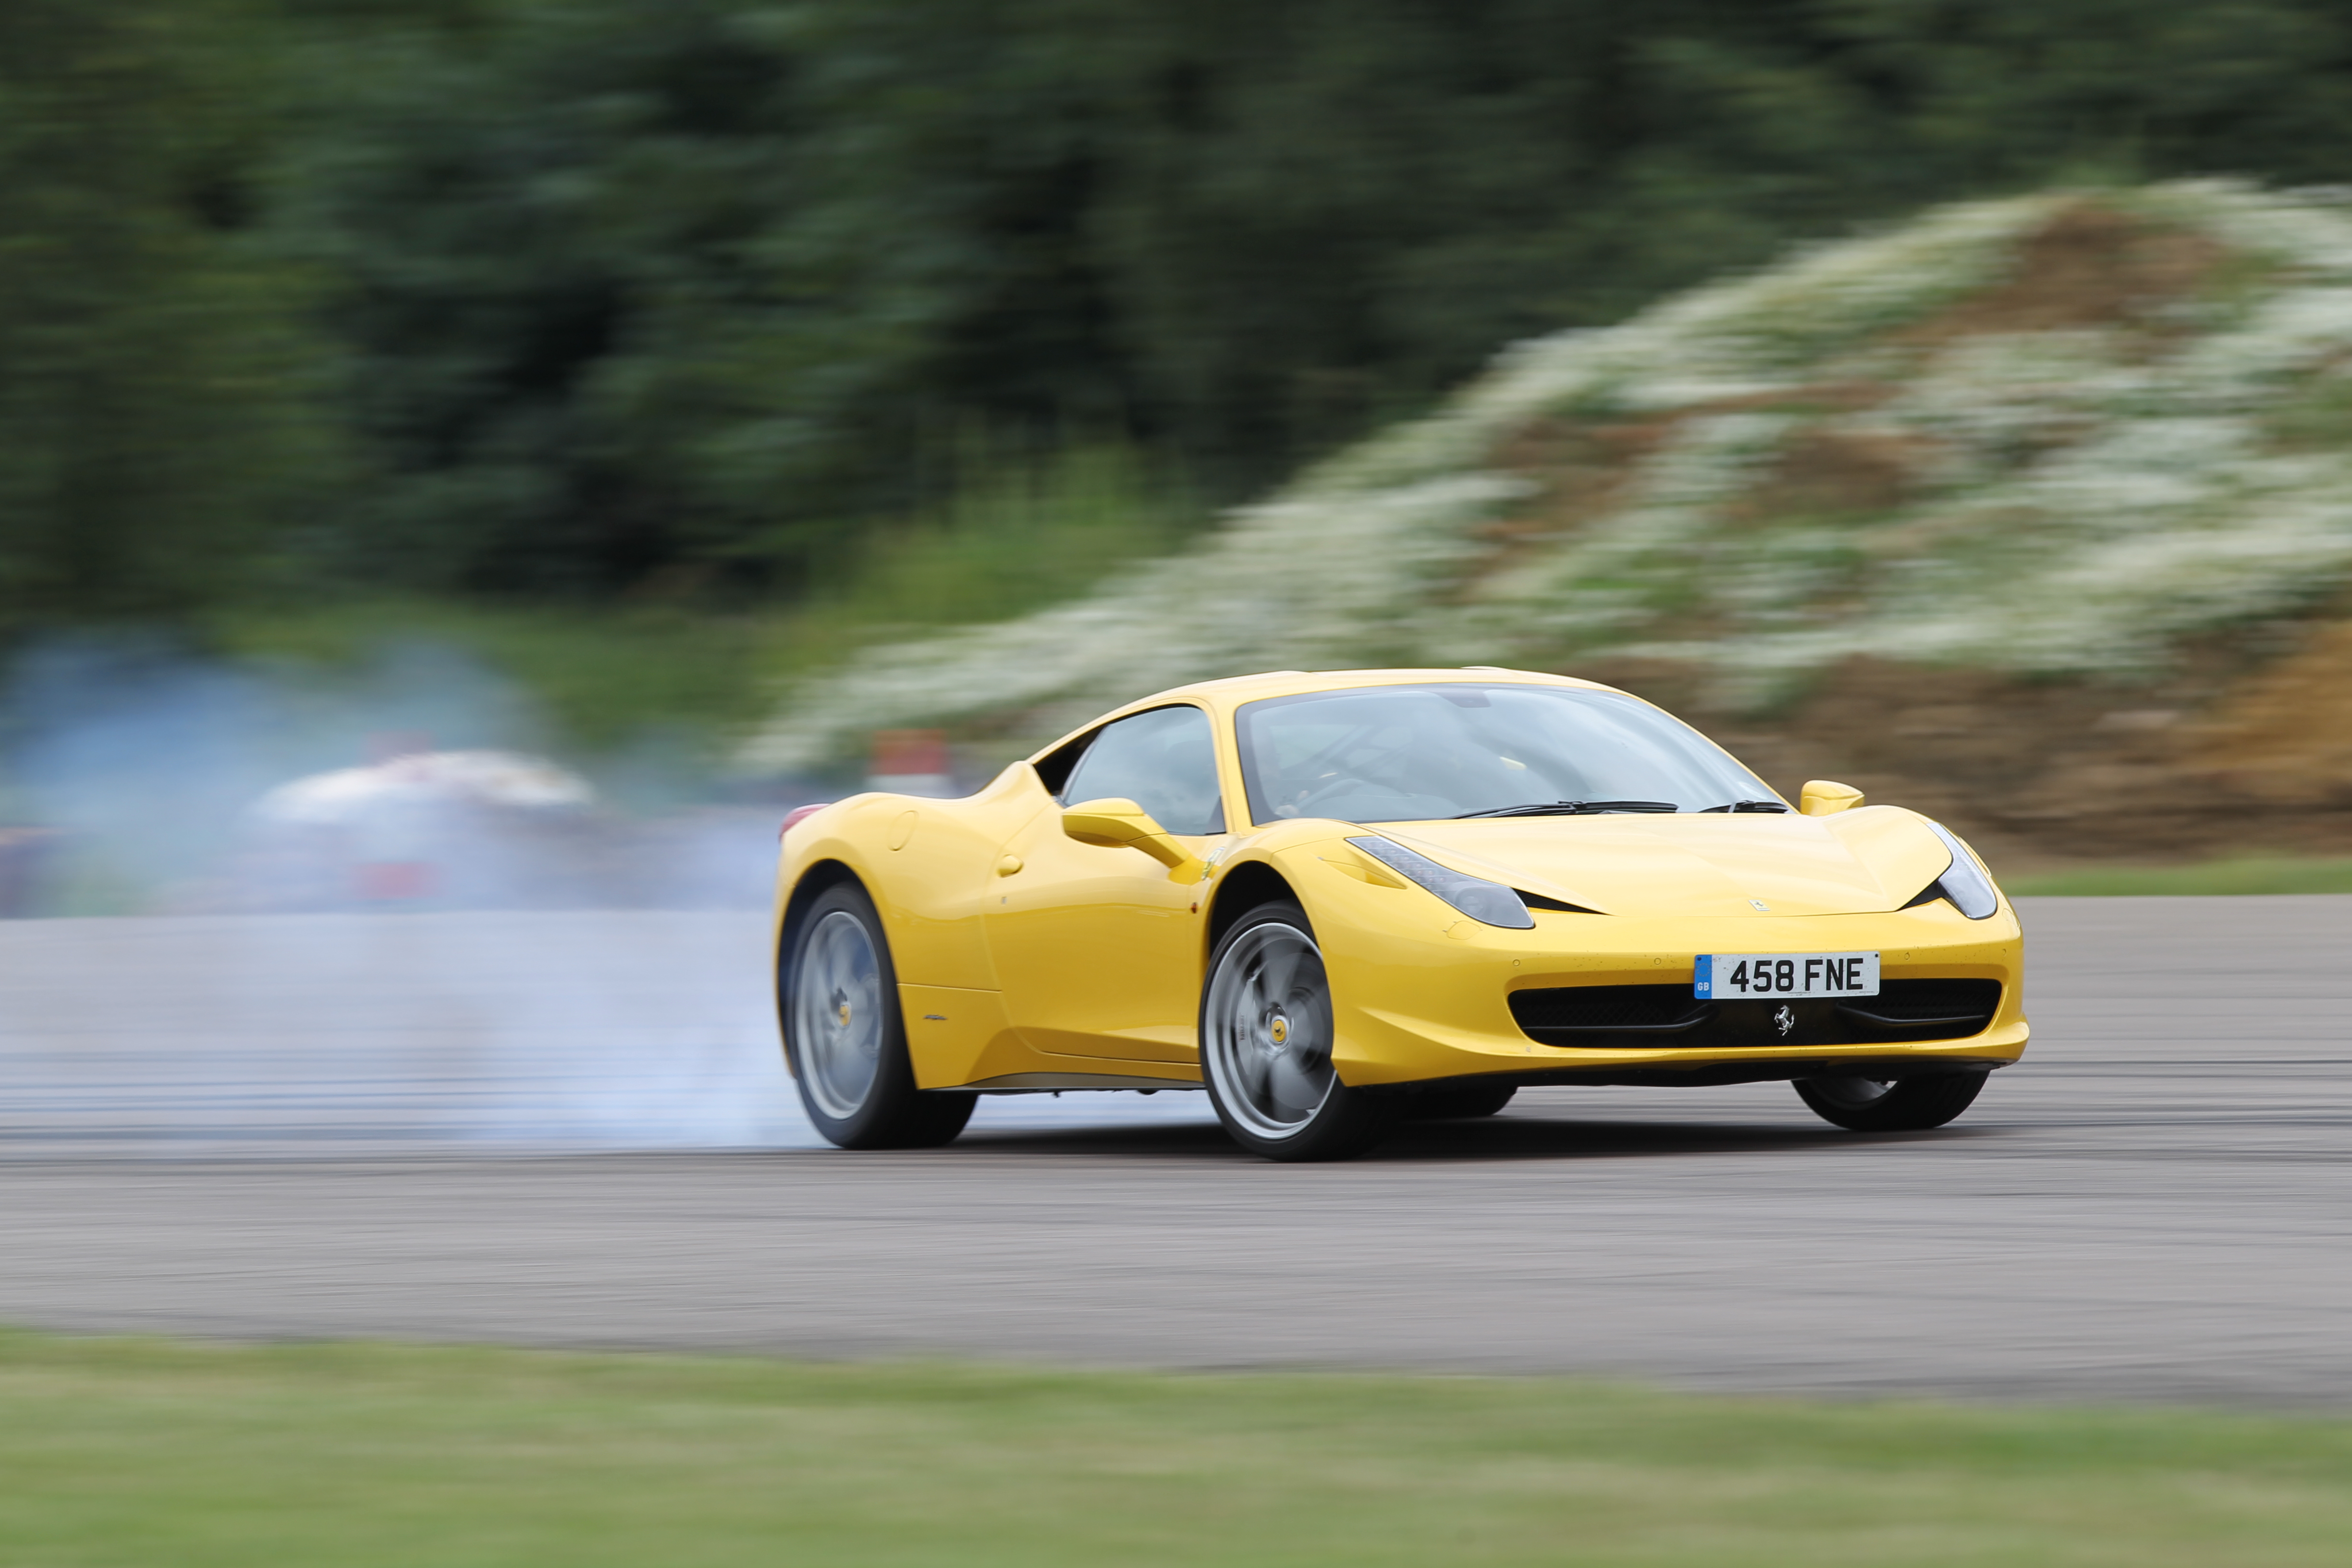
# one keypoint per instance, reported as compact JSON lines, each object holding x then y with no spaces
{"x":1577,"y":1009}
{"x":1615,"y":1017}
{"x":1917,"y":1003}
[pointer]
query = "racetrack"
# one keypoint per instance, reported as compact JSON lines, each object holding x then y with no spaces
{"x":382,"y":1128}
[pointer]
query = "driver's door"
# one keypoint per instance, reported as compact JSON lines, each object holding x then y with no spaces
{"x":1098,"y":950}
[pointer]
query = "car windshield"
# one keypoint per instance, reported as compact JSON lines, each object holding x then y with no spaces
{"x":1415,"y":754}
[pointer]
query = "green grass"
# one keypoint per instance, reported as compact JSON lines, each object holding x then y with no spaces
{"x":1016,"y":535}
{"x":2249,"y":874}
{"x":138,"y":1452}
{"x":602,"y":678}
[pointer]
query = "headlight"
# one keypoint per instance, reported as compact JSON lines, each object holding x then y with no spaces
{"x":1475,"y":896}
{"x":1964,"y":881}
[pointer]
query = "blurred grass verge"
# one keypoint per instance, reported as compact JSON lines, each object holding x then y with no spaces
{"x":138,"y":1451}
{"x":2244,"y":874}
{"x":1014,"y":531}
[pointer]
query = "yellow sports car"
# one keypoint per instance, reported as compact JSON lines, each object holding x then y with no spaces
{"x":1338,"y":900}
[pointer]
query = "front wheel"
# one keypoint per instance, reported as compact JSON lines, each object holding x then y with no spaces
{"x":846,"y":1038}
{"x":1265,"y":1045}
{"x":1891,"y":1105}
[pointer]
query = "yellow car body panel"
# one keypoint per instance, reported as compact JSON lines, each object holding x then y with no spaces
{"x":1028,"y":960}
{"x":1102,"y":944}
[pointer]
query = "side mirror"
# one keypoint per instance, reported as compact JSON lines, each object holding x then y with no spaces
{"x":1115,"y":824}
{"x":1823,"y":796}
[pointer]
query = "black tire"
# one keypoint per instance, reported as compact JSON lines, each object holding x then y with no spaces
{"x":1458,"y":1101}
{"x":1265,"y":1045}
{"x":845,"y":1037}
{"x":1900,"y":1105}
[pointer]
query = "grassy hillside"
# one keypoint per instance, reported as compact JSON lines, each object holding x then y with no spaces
{"x":2030,"y":509}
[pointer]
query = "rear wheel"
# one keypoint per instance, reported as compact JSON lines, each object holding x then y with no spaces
{"x":1265,"y":1045}
{"x":847,"y":1037}
{"x":1891,"y":1105}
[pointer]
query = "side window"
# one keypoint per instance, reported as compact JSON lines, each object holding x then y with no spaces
{"x":1165,"y":761}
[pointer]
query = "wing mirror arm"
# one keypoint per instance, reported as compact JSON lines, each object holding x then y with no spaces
{"x":1115,"y":824}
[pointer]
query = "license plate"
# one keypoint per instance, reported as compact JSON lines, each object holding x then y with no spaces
{"x":1730,"y":975}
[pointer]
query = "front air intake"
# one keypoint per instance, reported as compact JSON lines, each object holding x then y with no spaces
{"x":1622,"y":1016}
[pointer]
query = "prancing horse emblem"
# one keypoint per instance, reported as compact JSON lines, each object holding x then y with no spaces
{"x":1785,"y":1019}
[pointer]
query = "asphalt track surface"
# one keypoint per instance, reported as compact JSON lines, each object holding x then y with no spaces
{"x":570,"y":1129}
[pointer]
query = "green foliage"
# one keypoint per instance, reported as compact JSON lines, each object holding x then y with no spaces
{"x":638,"y":284}
{"x":561,"y":298}
{"x":602,"y":676}
{"x":1011,"y":534}
{"x":141,"y":1452}
{"x":159,"y":419}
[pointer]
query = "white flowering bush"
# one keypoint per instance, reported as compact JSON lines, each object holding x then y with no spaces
{"x":2069,"y":495}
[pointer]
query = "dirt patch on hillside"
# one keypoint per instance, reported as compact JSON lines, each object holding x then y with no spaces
{"x":1581,"y":471}
{"x":2089,"y":266}
{"x":2235,"y":753}
{"x":2285,"y":735}
{"x":1837,"y":473}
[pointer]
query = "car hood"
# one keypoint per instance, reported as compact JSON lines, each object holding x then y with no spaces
{"x":1863,"y":861}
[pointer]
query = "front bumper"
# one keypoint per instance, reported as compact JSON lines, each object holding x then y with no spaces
{"x":1420,"y":996}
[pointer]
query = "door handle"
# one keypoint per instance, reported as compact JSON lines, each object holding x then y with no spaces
{"x":1007,"y":864}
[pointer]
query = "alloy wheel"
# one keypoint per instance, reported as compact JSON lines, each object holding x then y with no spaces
{"x":837,"y":1019}
{"x":1268,"y":1036}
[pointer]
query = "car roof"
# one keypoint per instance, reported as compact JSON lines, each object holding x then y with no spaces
{"x":1222,"y":697}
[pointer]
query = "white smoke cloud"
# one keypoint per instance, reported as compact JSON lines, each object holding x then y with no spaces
{"x":148,"y":768}
{"x":496,"y":1025}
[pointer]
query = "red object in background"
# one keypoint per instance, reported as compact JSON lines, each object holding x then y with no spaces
{"x":389,"y":880}
{"x":902,"y":753}
{"x":798,"y":813}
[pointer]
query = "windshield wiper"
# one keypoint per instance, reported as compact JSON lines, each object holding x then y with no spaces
{"x":1574,"y":808}
{"x":1746,"y":805}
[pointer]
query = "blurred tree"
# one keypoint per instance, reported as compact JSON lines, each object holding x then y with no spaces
{"x":1315,"y":214}
{"x":647,"y":288}
{"x":161,"y":418}
{"x":645,"y":293}
{"x":650,"y":286}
